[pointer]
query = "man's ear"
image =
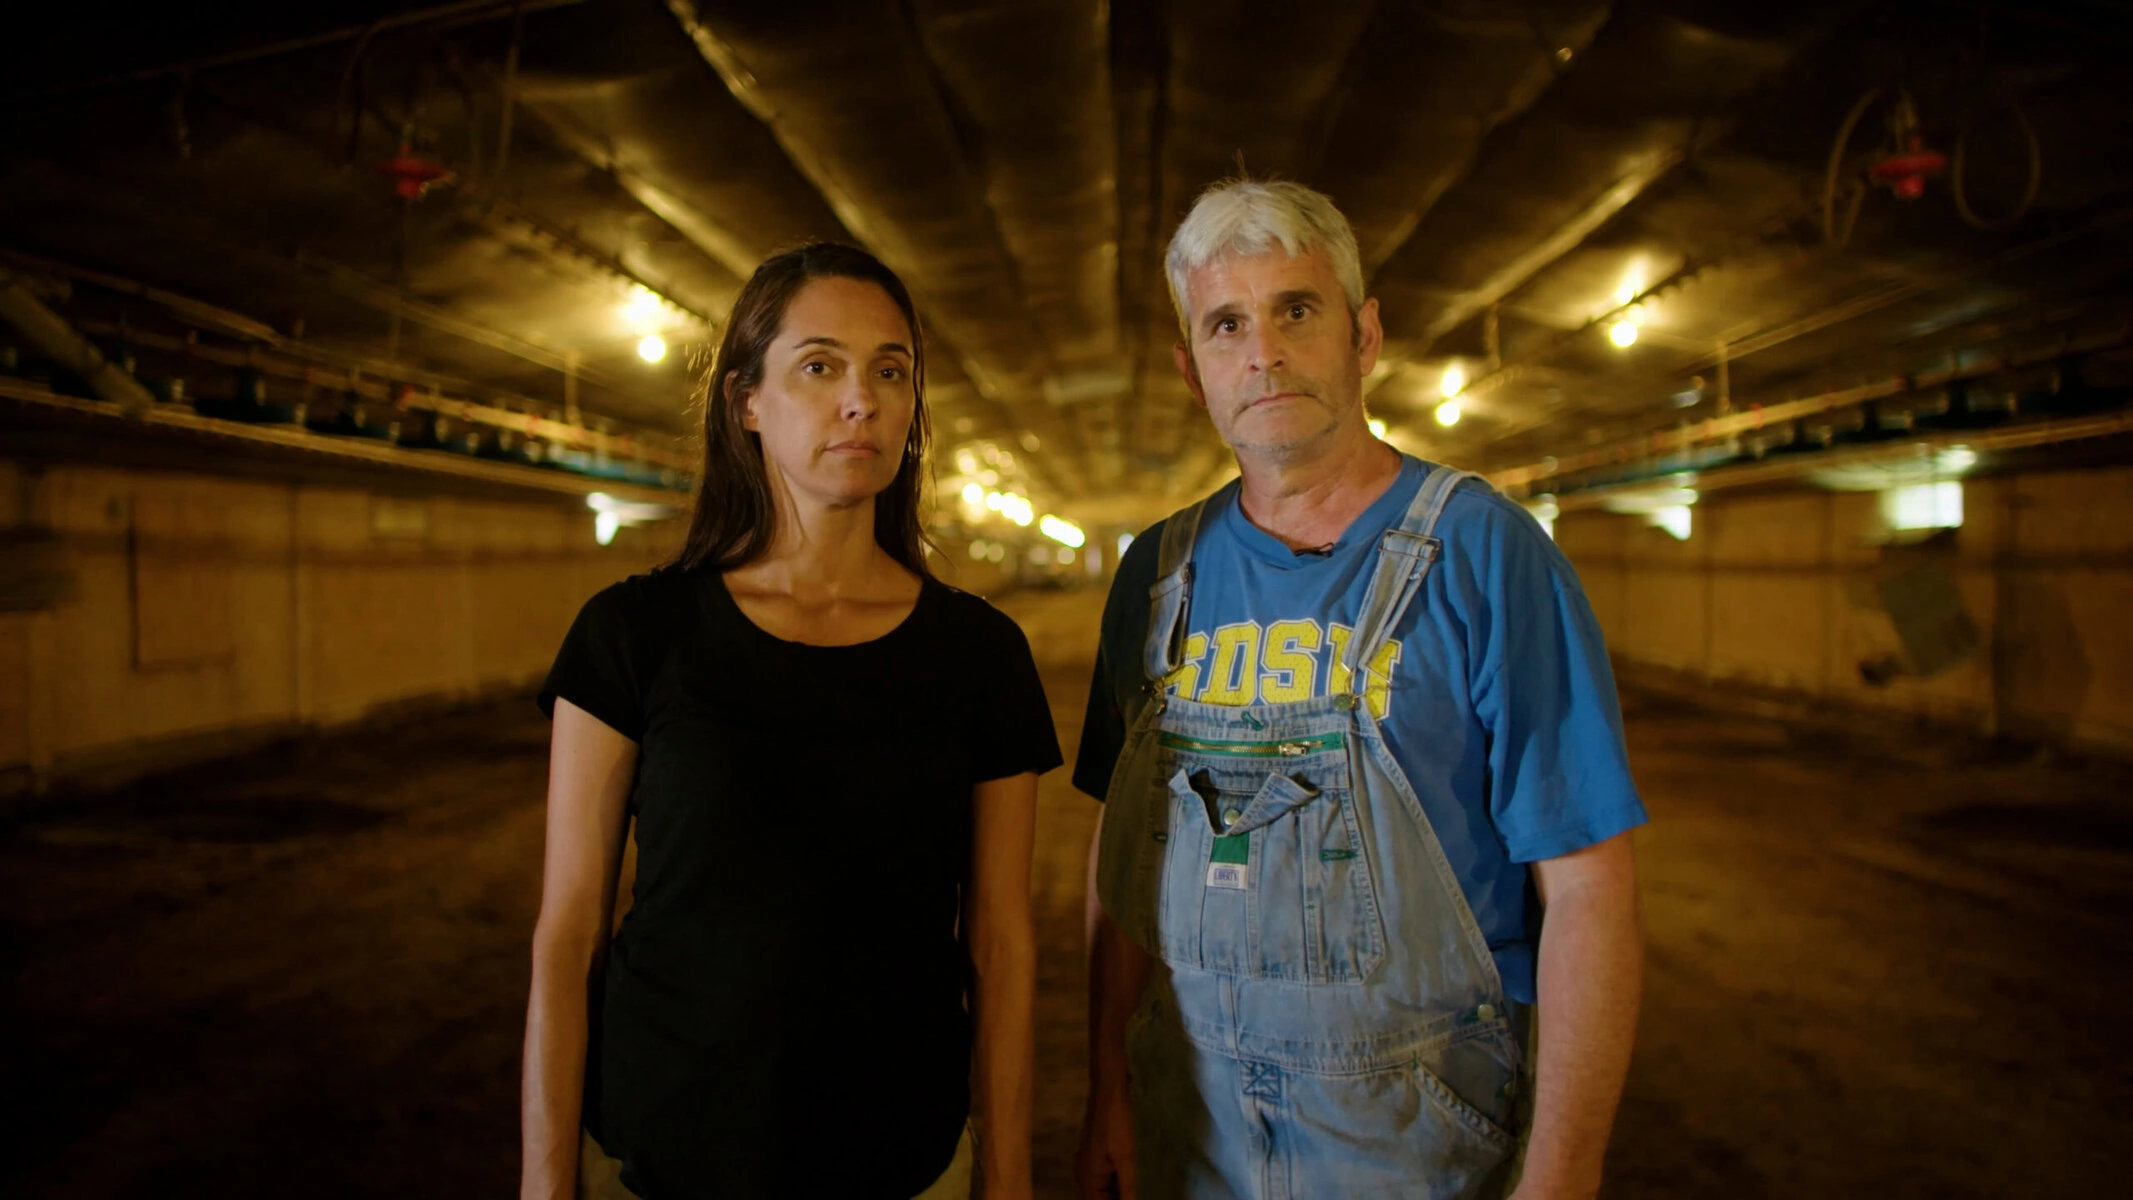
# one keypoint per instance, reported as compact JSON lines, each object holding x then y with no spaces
{"x":1369,"y":336}
{"x":1191,"y":371}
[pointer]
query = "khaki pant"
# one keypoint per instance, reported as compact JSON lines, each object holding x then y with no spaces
{"x":600,"y":1177}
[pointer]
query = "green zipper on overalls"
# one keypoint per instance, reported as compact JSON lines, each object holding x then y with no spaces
{"x":1291,"y":748}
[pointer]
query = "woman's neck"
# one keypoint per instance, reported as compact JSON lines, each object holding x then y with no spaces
{"x":823,"y":552}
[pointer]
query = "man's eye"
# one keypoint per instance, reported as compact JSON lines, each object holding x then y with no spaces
{"x":1298,"y":312}
{"x":1226,"y":325}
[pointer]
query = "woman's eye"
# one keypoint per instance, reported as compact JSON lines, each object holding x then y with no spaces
{"x":818,"y":367}
{"x":892,"y":374}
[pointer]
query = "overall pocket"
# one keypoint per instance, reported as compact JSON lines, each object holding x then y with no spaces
{"x":1265,"y":874}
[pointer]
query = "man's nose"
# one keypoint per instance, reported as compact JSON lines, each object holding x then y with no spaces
{"x":1266,"y":348}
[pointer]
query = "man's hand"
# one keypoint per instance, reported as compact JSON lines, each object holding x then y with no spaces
{"x":1104,"y":1164}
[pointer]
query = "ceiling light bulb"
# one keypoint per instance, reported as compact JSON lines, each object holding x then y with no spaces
{"x":1454,"y":380}
{"x":1448,"y":413}
{"x":1061,"y":531}
{"x":1377,"y":429}
{"x":973,"y":494}
{"x":652,"y":348}
{"x":1624,"y":334}
{"x":642,"y":308}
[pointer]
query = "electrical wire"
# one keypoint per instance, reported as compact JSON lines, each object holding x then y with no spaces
{"x":2029,"y":193}
{"x":1834,"y":234}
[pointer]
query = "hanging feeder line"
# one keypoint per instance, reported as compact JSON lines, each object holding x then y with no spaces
{"x":1906,"y":164}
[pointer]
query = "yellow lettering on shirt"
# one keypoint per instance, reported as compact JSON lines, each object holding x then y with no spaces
{"x":1186,"y":679}
{"x":1280,"y":665}
{"x":1337,"y":654}
{"x":1377,"y":687}
{"x":1288,"y":672}
{"x":1234,"y":679}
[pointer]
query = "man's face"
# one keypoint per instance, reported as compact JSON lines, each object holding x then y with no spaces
{"x":1273,"y":355}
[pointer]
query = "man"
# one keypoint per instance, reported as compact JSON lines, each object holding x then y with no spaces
{"x":1367,"y":803}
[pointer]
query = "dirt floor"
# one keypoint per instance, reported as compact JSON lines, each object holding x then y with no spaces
{"x":1880,"y":966}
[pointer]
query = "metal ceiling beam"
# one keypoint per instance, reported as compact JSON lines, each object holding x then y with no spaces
{"x":1559,"y":241}
{"x":1729,"y":351}
{"x":1213,"y":124}
{"x":461,"y":12}
{"x":1549,"y":163}
{"x":556,"y":241}
{"x":915,"y":202}
{"x":718,"y":242}
{"x":384,"y":298}
{"x":1033,"y":78}
{"x":1140,"y":67}
{"x":1425,"y":88}
{"x":1032,"y":81}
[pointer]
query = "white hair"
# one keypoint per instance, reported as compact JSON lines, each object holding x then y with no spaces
{"x":1248,"y":216}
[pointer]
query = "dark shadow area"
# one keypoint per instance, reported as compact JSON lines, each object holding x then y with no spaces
{"x":1875,"y":969}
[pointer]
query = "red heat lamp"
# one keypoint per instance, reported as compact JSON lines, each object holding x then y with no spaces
{"x":1905,"y":172}
{"x":414,"y":175}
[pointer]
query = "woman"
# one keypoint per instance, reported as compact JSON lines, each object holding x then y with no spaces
{"x":832,"y":761}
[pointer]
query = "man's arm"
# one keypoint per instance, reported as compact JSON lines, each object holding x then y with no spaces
{"x":1118,"y":974}
{"x":1591,"y":982}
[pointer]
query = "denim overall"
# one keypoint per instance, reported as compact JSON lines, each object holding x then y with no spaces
{"x":1326,"y":1020}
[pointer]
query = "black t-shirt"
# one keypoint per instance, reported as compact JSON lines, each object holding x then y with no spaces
{"x":783,"y":1009}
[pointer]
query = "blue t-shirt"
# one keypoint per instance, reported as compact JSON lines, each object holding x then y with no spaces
{"x":1501,"y":710}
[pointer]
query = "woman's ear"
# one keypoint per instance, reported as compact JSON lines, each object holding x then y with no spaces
{"x":730,"y":385}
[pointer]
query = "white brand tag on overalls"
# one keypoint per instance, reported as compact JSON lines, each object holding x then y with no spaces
{"x":1226,"y":875}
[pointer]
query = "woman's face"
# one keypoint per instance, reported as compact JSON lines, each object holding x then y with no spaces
{"x":836,"y":401}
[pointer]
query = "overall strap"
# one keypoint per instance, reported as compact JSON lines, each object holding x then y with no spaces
{"x":1171,"y":597}
{"x":1405,"y":555}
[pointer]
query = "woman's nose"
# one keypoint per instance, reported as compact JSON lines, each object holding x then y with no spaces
{"x":858,"y":402}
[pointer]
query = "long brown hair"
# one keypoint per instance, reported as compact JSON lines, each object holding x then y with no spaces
{"x":736,"y":516}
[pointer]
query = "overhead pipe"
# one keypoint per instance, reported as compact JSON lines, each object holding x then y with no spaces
{"x":355,"y":451}
{"x":1718,"y":428}
{"x":359,"y":287}
{"x":503,"y":136}
{"x":444,"y":396}
{"x":1731,"y":350}
{"x":2056,"y":431}
{"x":57,"y":340}
{"x":185,"y":308}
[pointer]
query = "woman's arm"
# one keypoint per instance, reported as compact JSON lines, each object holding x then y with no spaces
{"x":590,"y":767}
{"x":1001,"y":939}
